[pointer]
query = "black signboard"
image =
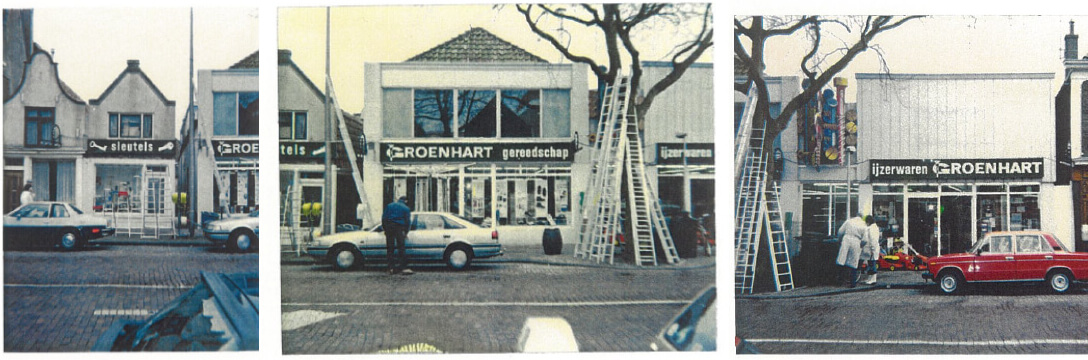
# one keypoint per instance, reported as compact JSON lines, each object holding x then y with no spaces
{"x":416,"y":152}
{"x":674,"y":153}
{"x":955,"y":169}
{"x":235,"y":148}
{"x":133,"y":148}
{"x":301,"y":151}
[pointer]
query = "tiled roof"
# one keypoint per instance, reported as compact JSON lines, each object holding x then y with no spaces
{"x":476,"y":45}
{"x":250,"y":62}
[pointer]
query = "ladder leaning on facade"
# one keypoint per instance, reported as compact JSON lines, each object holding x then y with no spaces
{"x":600,"y":210}
{"x":289,"y":218}
{"x":349,"y":148}
{"x":757,"y":208}
{"x":647,"y":220}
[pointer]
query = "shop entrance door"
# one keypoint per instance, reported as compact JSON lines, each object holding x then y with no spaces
{"x":311,"y":193}
{"x":922,"y":225}
{"x":955,"y":224}
{"x":13,"y":188}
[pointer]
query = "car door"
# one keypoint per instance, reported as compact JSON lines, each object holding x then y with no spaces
{"x":24,"y":226}
{"x":1032,"y":257}
{"x":995,"y":261}
{"x":426,"y":239}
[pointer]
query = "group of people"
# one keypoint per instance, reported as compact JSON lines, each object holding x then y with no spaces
{"x":860,"y":244}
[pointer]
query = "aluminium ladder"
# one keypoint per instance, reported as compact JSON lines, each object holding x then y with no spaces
{"x":600,"y":214}
{"x":645,"y":210}
{"x":349,"y":147}
{"x":757,"y":208}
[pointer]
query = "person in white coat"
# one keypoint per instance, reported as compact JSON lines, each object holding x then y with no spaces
{"x":850,"y":234}
{"x":27,"y":196}
{"x":870,"y":250}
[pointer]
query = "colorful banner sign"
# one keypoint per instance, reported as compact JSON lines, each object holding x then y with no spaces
{"x":451,"y":151}
{"x":955,"y":169}
{"x":138,"y":148}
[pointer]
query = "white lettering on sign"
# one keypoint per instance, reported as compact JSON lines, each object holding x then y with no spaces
{"x":884,"y":170}
{"x":987,"y":168}
{"x":238,"y":148}
{"x":671,"y":153}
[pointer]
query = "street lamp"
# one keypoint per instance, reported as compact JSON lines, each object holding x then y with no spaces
{"x":687,"y":177}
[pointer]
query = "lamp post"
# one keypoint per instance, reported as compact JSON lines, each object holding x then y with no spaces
{"x":687,"y":177}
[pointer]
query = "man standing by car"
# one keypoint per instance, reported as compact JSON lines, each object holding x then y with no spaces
{"x":395,"y":221}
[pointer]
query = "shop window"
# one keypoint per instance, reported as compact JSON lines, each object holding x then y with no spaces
{"x":133,"y":126}
{"x":292,"y":125}
{"x":1023,"y":212}
{"x":520,"y":113}
{"x":889,"y":209}
{"x":888,"y":189}
{"x":40,"y":125}
{"x":991,"y":188}
{"x":824,"y":208}
{"x":991,"y":214}
{"x":922,"y":188}
{"x":117,"y":188}
{"x":236,"y":113}
{"x":433,"y":113}
{"x":476,"y":113}
{"x":555,"y":113}
{"x":54,"y":180}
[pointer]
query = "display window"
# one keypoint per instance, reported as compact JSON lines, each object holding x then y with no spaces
{"x":825,"y":207}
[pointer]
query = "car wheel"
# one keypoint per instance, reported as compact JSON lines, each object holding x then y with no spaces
{"x":950,"y":282}
{"x":1059,"y":281}
{"x":458,"y":257}
{"x":242,"y":240}
{"x":69,"y":240}
{"x":344,"y":258}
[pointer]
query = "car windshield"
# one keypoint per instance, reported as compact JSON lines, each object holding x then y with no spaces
{"x":1059,"y":242}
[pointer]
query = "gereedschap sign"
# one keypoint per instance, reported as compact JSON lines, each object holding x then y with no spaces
{"x":955,"y":169}
{"x":403,"y":152}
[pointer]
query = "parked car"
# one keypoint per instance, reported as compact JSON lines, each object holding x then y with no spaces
{"x":51,"y":225}
{"x":433,"y":236}
{"x":220,"y":313}
{"x":238,"y":233}
{"x":1020,"y":256}
{"x":695,"y":328}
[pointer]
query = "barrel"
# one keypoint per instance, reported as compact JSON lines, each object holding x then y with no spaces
{"x":553,"y":241}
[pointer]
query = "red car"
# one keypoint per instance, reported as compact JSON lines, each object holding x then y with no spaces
{"x":1014,"y":256}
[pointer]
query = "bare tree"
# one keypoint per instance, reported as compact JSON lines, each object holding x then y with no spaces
{"x":750,"y":36}
{"x":619,"y":27}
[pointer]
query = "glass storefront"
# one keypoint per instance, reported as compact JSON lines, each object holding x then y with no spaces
{"x":510,"y":196}
{"x":825,"y":207}
{"x":949,"y":218}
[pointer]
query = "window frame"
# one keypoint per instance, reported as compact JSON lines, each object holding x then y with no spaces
{"x":237,"y":103}
{"x":117,"y":126}
{"x":455,"y":125}
{"x":294,"y":123}
{"x":40,"y":141}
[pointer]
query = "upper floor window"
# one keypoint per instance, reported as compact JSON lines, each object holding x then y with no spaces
{"x":292,"y":125}
{"x":235,"y":113}
{"x":130,"y":126}
{"x":483,"y":113}
{"x":41,"y":127}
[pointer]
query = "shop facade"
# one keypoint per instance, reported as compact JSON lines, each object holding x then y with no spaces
{"x":302,"y":151}
{"x":679,"y":135}
{"x":44,"y":136}
{"x":945,"y":159}
{"x":1072,"y":108}
{"x":491,"y":138}
{"x":227,"y":145}
{"x":129,"y":153}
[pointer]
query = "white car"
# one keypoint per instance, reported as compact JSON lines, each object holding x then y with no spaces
{"x":52,"y":224}
{"x":239,"y":233}
{"x":433,"y":236}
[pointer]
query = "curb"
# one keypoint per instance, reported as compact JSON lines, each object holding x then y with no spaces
{"x":190,"y":243}
{"x":298,"y":261}
{"x":837,"y":291}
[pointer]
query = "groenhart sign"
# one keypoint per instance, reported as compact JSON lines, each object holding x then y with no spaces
{"x":235,"y":148}
{"x":136,"y":148}
{"x":404,"y":152}
{"x":955,"y":169}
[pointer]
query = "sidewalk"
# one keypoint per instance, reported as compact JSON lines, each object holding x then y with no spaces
{"x":899,"y":279}
{"x":534,"y":254}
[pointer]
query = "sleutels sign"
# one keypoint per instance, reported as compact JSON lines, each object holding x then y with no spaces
{"x":956,"y":169}
{"x":398,"y":152}
{"x":131,"y":148}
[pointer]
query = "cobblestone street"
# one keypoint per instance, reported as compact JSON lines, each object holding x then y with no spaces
{"x":481,"y":309}
{"x":63,"y":301}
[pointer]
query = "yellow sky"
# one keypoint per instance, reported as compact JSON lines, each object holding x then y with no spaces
{"x":395,"y":33}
